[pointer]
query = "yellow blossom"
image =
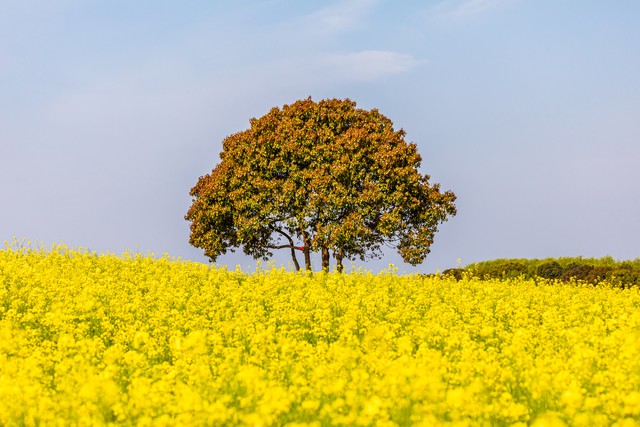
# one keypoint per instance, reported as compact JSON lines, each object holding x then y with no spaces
{"x":89,"y":339}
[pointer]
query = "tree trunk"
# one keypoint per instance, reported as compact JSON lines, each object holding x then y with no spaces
{"x":306,"y":250}
{"x":325,"y":259}
{"x":295,"y":259}
{"x":307,"y":258}
{"x":339,"y":257}
{"x":291,"y":246}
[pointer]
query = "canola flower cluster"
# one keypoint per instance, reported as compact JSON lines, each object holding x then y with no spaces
{"x":89,"y":339}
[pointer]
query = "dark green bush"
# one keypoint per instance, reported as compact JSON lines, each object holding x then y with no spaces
{"x":576,"y":271}
{"x":590,"y":270}
{"x":456,"y":273}
{"x":625,"y":275}
{"x":550,"y":270}
{"x":500,"y":269}
{"x":598,"y":274}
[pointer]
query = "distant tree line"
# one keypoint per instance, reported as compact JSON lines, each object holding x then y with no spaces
{"x":566,"y":269}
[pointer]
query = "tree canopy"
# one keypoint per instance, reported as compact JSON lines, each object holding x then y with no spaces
{"x":322,"y":177}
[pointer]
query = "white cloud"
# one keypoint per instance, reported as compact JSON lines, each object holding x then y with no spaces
{"x":368,"y":64}
{"x":341,"y":16}
{"x":304,"y":75}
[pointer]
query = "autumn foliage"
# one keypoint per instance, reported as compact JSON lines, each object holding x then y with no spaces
{"x":318,"y":177}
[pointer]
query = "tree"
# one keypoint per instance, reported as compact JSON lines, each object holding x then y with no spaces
{"x":318,"y":177}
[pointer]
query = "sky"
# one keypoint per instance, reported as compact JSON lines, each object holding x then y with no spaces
{"x":528,"y":110}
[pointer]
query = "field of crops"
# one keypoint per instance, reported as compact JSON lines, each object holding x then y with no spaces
{"x":90,"y":339}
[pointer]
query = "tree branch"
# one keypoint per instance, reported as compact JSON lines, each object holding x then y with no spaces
{"x":281,"y":247}
{"x":290,"y":246}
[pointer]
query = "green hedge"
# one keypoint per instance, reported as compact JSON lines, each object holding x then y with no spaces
{"x":590,"y":270}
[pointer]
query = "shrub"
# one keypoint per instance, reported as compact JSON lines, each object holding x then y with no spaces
{"x":591,"y":270}
{"x":550,"y":270}
{"x":625,"y":275}
{"x":598,"y":274}
{"x":456,"y":273}
{"x":576,"y":271}
{"x":500,"y":269}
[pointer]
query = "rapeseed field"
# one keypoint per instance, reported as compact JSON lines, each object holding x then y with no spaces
{"x":92,"y":340}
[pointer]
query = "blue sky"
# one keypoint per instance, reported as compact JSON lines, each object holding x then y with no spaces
{"x":528,"y":110}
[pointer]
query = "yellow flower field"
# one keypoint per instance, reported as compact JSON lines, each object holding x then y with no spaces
{"x":90,"y":339}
